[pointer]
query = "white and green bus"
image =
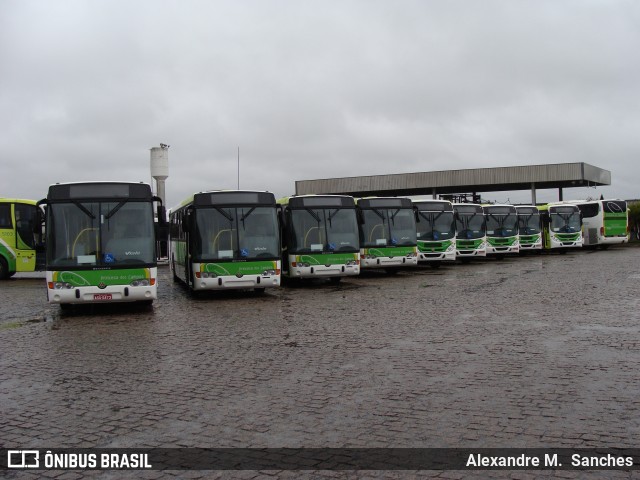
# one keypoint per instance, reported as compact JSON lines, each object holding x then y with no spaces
{"x":471,"y":231}
{"x":530,"y":228}
{"x":319,"y":237}
{"x":436,"y":231}
{"x":21,"y":249}
{"x":561,"y":226}
{"x":101,"y":243}
{"x":502,"y":229}
{"x":388,"y":234}
{"x":226,"y":239}
{"x":604,"y":222}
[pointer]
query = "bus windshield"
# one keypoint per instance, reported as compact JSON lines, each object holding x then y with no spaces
{"x":89,"y":234}
{"x":325,"y":229}
{"x":389,"y":227}
{"x":502,"y":225}
{"x":529,"y":223}
{"x":436,"y":226}
{"x":565,"y":221}
{"x":470,"y":225}
{"x":230,"y":233}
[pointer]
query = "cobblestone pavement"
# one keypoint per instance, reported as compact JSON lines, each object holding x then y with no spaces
{"x":538,"y":351}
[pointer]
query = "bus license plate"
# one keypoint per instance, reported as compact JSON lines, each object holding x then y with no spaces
{"x":102,"y":296}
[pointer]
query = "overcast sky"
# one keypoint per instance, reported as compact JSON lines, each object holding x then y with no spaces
{"x":315,"y":90}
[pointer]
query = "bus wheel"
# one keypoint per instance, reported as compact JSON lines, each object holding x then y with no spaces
{"x":604,"y":247}
{"x":4,"y":269}
{"x":335,"y":280}
{"x":391,"y":271}
{"x":435,"y":265}
{"x":259,"y":290}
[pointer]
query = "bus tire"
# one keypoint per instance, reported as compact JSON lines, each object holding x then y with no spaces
{"x":4,"y":269}
{"x":259,"y":290}
{"x":335,"y":280}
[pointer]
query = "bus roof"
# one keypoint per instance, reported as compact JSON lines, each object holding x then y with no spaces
{"x":313,"y":200}
{"x":433,"y":205}
{"x":194,"y":197}
{"x":546,"y":207}
{"x":597,"y":200}
{"x":99,"y":191}
{"x":384,"y":202}
{"x":18,"y":200}
{"x":527,"y":209}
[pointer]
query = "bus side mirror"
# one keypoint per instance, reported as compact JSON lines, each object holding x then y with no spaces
{"x":280,"y":216}
{"x":187,"y":221}
{"x":39,"y":219}
{"x":162,"y":216}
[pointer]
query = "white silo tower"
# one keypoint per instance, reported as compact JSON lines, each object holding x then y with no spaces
{"x":160,"y":168}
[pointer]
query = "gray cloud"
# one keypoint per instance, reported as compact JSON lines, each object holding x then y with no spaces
{"x":310,"y":90}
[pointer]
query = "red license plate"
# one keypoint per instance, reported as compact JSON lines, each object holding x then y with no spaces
{"x":102,"y":296}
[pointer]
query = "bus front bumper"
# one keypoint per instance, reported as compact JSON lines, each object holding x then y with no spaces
{"x":231,"y":282}
{"x":436,"y":257}
{"x":384,"y":262}
{"x":324,"y":271}
{"x":110,"y":294}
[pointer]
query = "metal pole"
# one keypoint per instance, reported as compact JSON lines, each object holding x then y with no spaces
{"x":533,"y":194}
{"x":238,"y":168}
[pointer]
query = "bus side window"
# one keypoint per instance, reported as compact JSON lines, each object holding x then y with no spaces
{"x":5,"y":215}
{"x":25,"y":221}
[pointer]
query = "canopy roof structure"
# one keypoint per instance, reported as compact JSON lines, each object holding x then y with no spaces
{"x":529,"y":177}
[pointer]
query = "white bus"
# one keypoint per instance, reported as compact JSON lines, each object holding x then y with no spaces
{"x":436,"y":231}
{"x":101,"y":243}
{"x":502,"y":229}
{"x":319,"y":237}
{"x":388,"y":235}
{"x":471,"y":231}
{"x":530,"y":228}
{"x":221,"y":240}
{"x":561,"y":226}
{"x":604,"y":222}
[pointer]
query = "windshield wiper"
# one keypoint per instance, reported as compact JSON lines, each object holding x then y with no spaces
{"x":313,"y":214}
{"x":331,"y":215}
{"x":84,"y":209}
{"x":224,"y":214}
{"x":246,"y":215}
{"x":377,"y":212}
{"x":113,"y":211}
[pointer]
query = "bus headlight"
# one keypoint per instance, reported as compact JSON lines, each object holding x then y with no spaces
{"x":304,"y":264}
{"x":451,"y":248}
{"x":143,"y":282}
{"x":208,"y":275}
{"x":268,"y":273}
{"x":413,"y":254}
{"x":351,"y":263}
{"x":368,"y":257}
{"x":62,"y":286}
